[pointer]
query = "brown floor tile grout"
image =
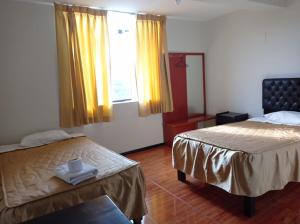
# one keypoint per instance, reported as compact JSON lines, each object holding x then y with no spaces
{"x":180,"y":199}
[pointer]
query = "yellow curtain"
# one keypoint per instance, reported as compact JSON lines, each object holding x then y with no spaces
{"x":83,"y":63}
{"x":152,"y":69}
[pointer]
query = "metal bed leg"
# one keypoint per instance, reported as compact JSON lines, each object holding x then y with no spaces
{"x":249,"y":206}
{"x":137,"y":221}
{"x":181,"y":176}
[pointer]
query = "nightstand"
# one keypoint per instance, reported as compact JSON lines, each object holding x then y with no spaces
{"x":230,"y":117}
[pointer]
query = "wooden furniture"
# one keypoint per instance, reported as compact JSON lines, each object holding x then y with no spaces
{"x":230,"y":117}
{"x":171,"y":129}
{"x":98,"y":211}
{"x":189,"y":110}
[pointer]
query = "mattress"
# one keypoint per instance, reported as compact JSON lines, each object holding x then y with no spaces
{"x":247,"y":158}
{"x":29,"y":188}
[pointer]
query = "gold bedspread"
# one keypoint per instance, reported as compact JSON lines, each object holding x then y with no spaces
{"x":246,"y":158}
{"x":29,"y":188}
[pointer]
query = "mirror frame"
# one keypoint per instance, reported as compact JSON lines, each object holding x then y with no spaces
{"x":184,"y":54}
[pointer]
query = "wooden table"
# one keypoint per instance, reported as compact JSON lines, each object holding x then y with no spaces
{"x":171,"y":129}
{"x":98,"y":211}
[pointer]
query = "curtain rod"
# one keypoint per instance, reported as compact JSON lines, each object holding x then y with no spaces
{"x":93,"y":7}
{"x":96,"y":7}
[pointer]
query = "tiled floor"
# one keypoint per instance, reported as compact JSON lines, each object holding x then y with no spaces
{"x":170,"y":201}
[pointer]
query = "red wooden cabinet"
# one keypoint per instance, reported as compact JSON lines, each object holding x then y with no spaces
{"x":178,"y":121}
{"x":171,"y":129}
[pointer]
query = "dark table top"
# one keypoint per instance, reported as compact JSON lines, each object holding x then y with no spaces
{"x":98,"y":211}
{"x":231,"y":114}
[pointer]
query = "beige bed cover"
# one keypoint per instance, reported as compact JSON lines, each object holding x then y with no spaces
{"x":246,"y":158}
{"x":28,"y":187}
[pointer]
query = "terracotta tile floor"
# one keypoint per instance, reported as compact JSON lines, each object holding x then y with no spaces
{"x":170,"y":201}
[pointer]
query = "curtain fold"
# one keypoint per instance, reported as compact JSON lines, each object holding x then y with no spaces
{"x":152,"y":67}
{"x":83,"y":64}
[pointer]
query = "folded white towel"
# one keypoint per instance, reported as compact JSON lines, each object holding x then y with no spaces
{"x":86,"y":173}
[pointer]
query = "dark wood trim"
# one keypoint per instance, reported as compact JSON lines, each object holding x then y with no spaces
{"x":249,"y":206}
{"x":99,"y":210}
{"x":181,"y":176}
{"x":181,"y":54}
{"x":141,"y":149}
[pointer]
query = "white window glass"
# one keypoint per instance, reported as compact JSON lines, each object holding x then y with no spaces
{"x":122,"y":36}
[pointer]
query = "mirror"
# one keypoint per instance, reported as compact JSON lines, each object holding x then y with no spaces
{"x":195,"y":87}
{"x":187,"y":76}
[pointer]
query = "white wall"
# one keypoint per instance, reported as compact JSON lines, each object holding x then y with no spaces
{"x":245,"y":48}
{"x":28,"y":75}
{"x":29,"y":85}
{"x":189,"y":36}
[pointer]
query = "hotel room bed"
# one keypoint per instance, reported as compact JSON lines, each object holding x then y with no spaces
{"x":246,"y":158}
{"x":29,"y":188}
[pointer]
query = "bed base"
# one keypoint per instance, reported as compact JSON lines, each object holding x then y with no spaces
{"x":181,"y":176}
{"x":137,"y":221}
{"x":249,"y":202}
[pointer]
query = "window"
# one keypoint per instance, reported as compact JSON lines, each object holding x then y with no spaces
{"x":122,"y":27}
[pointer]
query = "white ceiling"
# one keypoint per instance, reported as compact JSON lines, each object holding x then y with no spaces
{"x":188,"y":9}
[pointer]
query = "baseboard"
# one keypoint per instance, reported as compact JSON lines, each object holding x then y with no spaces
{"x":142,"y":149}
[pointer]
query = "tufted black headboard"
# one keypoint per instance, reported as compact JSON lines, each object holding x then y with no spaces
{"x":281,"y":94}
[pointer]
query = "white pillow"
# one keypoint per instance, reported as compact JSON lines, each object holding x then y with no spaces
{"x":284,"y":117}
{"x":43,"y":138}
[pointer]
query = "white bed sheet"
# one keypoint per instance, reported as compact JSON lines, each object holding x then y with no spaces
{"x":266,"y":120}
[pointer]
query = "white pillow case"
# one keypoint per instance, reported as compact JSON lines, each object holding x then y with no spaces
{"x":43,"y":138}
{"x":284,"y":117}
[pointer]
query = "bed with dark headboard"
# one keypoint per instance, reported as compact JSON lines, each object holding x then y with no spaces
{"x":246,"y":158}
{"x":281,"y":94}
